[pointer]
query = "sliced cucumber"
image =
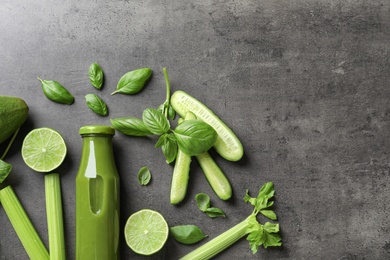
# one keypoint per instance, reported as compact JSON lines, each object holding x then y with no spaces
{"x":227,"y":144}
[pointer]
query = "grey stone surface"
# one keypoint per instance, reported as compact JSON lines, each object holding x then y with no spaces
{"x":304,"y":84}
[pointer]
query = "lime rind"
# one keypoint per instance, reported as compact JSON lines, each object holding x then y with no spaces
{"x":43,"y":149}
{"x":146,"y":232}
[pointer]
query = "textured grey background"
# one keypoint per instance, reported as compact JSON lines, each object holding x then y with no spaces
{"x":304,"y":84}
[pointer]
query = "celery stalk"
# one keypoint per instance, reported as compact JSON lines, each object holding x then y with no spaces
{"x":220,"y":243}
{"x":22,"y":225}
{"x":54,"y":216}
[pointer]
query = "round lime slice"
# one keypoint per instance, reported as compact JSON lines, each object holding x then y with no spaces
{"x":43,"y":149}
{"x":146,"y":232}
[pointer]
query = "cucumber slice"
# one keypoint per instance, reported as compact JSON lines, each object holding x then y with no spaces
{"x":227,"y":144}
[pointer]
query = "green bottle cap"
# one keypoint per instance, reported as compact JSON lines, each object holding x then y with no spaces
{"x":97,"y":129}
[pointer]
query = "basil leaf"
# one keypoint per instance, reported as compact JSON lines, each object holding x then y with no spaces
{"x":171,"y":113}
{"x":130,"y":126}
{"x":95,"y":73}
{"x":187,"y":234}
{"x":56,"y":92}
{"x":96,"y":104}
{"x":155,"y":122}
{"x":214,"y":212}
{"x":133,"y":82}
{"x":169,"y":148}
{"x":161,"y":141}
{"x":144,"y":176}
{"x":195,"y":137}
{"x":5,"y":169}
{"x":203,"y":201}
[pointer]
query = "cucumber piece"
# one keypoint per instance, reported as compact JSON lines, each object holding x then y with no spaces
{"x":215,"y":176}
{"x":227,"y":144}
{"x":180,"y":177}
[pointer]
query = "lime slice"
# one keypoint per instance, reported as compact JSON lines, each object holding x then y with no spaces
{"x":146,"y":232}
{"x":43,"y":149}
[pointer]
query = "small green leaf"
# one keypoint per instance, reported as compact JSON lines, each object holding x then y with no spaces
{"x":144,"y":176}
{"x":96,"y":104}
{"x":214,"y":212}
{"x":155,"y":122}
{"x":271,"y":238}
{"x":269,"y":214}
{"x":169,"y":148}
{"x":187,"y":234}
{"x":195,"y":137}
{"x":133,"y":82}
{"x":5,"y":169}
{"x":249,"y":199}
{"x":171,"y":113}
{"x":56,"y":92}
{"x":95,"y":73}
{"x":203,"y":201}
{"x":130,"y":126}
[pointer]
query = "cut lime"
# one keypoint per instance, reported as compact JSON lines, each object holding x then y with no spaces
{"x":146,"y":232}
{"x":43,"y":149}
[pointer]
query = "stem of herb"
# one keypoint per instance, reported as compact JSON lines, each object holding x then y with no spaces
{"x":168,"y":94}
{"x":22,"y":225}
{"x":10,"y":143}
{"x":54,"y":216}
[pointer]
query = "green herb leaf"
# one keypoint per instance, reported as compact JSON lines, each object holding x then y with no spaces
{"x":56,"y":92}
{"x":155,"y":122}
{"x":95,"y":73}
{"x":269,"y":214}
{"x":203,"y":201}
{"x":144,"y":176}
{"x":133,"y":82}
{"x":187,"y":234}
{"x":130,"y":126}
{"x":96,"y":104}
{"x":171,"y":112}
{"x":214,"y":212}
{"x":195,"y":137}
{"x":5,"y":169}
{"x":271,"y":238}
{"x":168,"y":145}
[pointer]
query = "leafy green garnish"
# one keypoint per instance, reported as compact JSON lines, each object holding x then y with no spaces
{"x":130,"y":126}
{"x":5,"y":169}
{"x":96,"y":76}
{"x":96,"y":104}
{"x":203,"y":202}
{"x":187,"y":234}
{"x":144,"y":176}
{"x":133,"y":82}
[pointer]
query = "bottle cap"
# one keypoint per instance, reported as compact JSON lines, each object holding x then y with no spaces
{"x":97,"y":129}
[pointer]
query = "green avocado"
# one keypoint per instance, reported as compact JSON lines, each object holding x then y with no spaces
{"x":13,"y":113}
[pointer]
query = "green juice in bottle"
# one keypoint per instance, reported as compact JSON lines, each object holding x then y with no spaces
{"x":97,"y":197}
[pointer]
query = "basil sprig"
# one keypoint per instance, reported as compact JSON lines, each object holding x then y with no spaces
{"x":96,"y":104}
{"x":96,"y":75}
{"x":56,"y":92}
{"x":133,"y":81}
{"x":193,"y":137}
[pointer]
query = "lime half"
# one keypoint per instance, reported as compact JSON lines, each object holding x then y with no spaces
{"x":146,"y":232}
{"x":43,"y":149}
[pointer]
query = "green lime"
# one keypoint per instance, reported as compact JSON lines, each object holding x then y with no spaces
{"x":43,"y":149}
{"x":146,"y":232}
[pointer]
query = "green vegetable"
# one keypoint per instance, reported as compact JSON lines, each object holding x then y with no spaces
{"x":168,"y":145}
{"x":96,"y":104}
{"x":130,"y":126}
{"x":181,"y":173}
{"x":203,"y":202}
{"x":96,"y":76}
{"x":187,"y":234}
{"x":54,"y":216}
{"x":215,"y":176}
{"x":5,"y":169}
{"x":258,"y":234}
{"x":13,"y":113}
{"x":227,"y":143}
{"x":144,"y":176}
{"x":166,"y":108}
{"x":23,"y":227}
{"x":195,"y":137}
{"x":56,"y":92}
{"x":133,"y":82}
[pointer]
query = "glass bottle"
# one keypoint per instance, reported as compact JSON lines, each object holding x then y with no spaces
{"x":97,"y":197}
